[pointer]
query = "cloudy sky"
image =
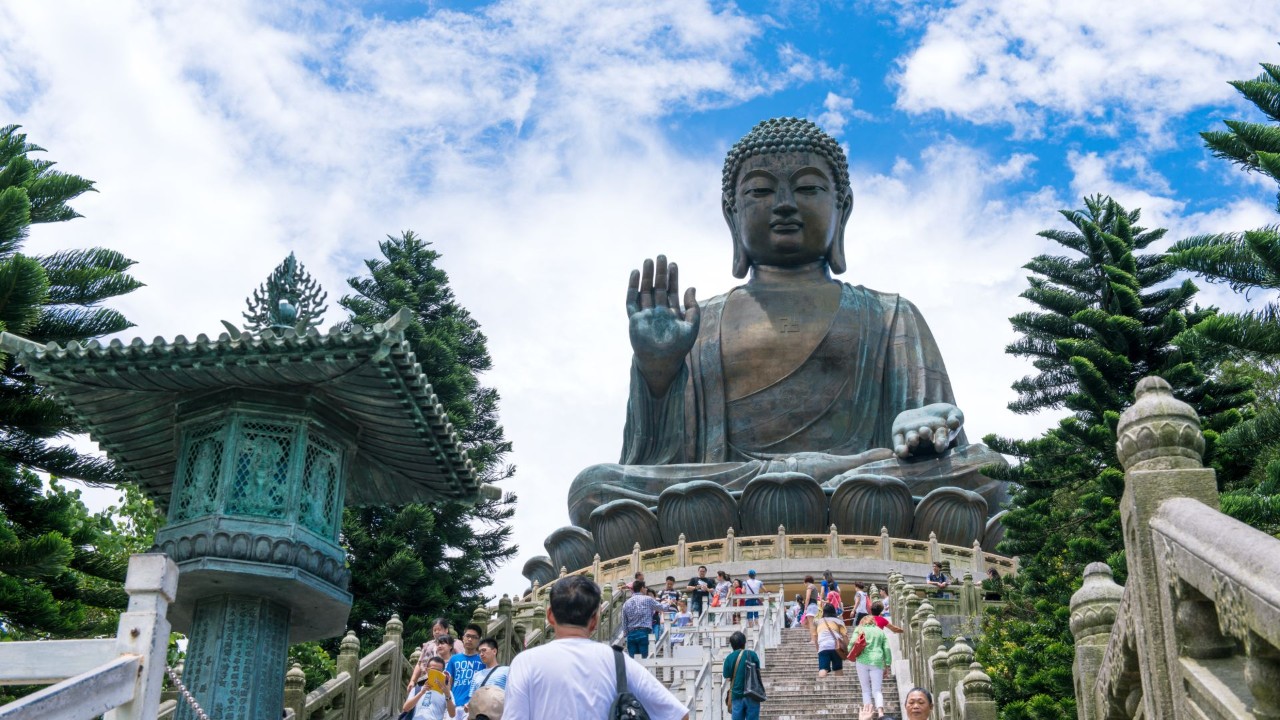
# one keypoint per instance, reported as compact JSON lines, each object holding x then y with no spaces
{"x":546,"y":147}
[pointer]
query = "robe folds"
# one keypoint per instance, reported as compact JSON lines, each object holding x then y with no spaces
{"x":876,"y":359}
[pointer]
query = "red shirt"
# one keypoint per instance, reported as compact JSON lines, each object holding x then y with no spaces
{"x":880,"y":622}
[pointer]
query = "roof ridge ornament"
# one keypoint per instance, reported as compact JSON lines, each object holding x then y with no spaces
{"x":290,"y":299}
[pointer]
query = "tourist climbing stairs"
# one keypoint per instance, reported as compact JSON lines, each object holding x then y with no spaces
{"x":791,"y":682}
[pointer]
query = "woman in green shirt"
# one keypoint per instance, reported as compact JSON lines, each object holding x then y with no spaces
{"x":873,"y":663}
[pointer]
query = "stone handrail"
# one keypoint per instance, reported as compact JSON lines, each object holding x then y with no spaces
{"x":781,"y":546}
{"x":120,"y":676}
{"x":962,"y":690}
{"x":1196,"y":631}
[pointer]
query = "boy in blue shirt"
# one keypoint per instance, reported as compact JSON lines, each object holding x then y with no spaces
{"x":462,"y":667}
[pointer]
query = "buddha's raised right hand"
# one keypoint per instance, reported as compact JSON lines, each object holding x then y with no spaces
{"x":661,"y":332}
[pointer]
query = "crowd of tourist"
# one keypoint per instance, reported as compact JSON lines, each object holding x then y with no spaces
{"x":576,"y":677}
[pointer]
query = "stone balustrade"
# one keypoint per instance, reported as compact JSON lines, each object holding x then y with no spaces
{"x":1195,"y":633}
{"x":783,"y":556}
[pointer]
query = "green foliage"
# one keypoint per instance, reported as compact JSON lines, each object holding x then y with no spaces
{"x":1108,"y":316}
{"x":48,"y":298}
{"x":61,"y":568}
{"x":317,"y":664}
{"x":426,"y":561}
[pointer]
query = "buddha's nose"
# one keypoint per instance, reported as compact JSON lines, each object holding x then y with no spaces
{"x":784,"y":201}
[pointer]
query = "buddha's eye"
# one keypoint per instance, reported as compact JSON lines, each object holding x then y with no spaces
{"x":758,"y":192}
{"x":809,"y":189}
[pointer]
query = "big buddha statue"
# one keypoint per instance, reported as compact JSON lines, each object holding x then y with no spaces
{"x":793,"y":399}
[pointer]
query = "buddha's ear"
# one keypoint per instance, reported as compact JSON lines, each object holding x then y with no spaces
{"x":835,"y":256}
{"x":741,"y":261}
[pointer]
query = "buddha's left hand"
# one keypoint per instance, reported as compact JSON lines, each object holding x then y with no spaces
{"x":931,"y":428}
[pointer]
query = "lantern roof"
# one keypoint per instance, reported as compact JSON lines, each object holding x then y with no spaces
{"x":128,"y":398}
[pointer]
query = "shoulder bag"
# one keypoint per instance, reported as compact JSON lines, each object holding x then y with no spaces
{"x":626,"y":706}
{"x":728,"y":691}
{"x":841,"y":651}
{"x":752,"y":685}
{"x":858,"y":645}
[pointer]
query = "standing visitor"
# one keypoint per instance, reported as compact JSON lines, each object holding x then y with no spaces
{"x":637,"y":619}
{"x":682,"y":619}
{"x":861,"y":608}
{"x":464,"y":666}
{"x":828,"y":633}
{"x":699,"y":588}
{"x":444,"y":648}
{"x":753,"y":587}
{"x":938,"y":580}
{"x":810,"y":601}
{"x":573,"y":677}
{"x":833,"y":597}
{"x":884,"y":602}
{"x":438,"y":628}
{"x":492,"y":676}
{"x":428,"y":703}
{"x":918,"y":704}
{"x":737,"y":591}
{"x":724,"y":588}
{"x":882,"y":622}
{"x":991,"y":585}
{"x":735,"y":672}
{"x":873,"y":663}
{"x":669,"y":595}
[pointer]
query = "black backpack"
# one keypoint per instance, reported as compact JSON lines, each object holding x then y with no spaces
{"x":626,"y":706}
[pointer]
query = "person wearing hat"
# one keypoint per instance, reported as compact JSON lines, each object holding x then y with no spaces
{"x":486,"y":703}
{"x":752,"y":586}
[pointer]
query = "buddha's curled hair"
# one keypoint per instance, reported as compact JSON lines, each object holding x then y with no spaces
{"x":787,"y":134}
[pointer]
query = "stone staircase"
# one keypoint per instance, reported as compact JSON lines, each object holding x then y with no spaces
{"x":790,"y":680}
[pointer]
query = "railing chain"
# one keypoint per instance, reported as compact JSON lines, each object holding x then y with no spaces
{"x":186,"y":694}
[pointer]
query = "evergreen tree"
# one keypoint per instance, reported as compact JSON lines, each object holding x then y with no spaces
{"x":425,"y":561}
{"x":1107,"y":317}
{"x":1249,"y":262}
{"x":61,"y":567}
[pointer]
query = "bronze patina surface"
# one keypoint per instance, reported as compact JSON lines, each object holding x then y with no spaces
{"x":794,"y":371}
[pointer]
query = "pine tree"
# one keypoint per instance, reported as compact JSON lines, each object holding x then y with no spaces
{"x":1249,"y":262}
{"x":1108,"y":317}
{"x":425,"y":561}
{"x":61,"y":567}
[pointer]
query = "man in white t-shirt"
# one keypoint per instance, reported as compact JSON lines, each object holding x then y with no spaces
{"x":752,"y":586}
{"x":573,"y":677}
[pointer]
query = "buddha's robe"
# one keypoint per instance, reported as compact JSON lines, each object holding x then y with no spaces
{"x":830,"y":414}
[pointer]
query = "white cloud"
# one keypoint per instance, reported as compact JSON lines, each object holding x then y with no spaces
{"x":1093,"y":62}
{"x":836,"y":112}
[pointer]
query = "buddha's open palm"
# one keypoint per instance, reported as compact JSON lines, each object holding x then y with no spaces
{"x":661,"y":332}
{"x":931,"y":428}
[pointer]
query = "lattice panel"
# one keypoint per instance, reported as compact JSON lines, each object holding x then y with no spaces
{"x":200,"y":473}
{"x":260,"y":484}
{"x":318,"y":504}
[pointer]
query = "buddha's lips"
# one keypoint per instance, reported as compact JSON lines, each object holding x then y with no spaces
{"x":786,"y":227}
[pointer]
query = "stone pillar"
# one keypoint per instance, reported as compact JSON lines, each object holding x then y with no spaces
{"x":295,"y":690}
{"x":1093,"y":612}
{"x":781,"y":552}
{"x":1160,"y":445}
{"x":833,"y":543}
{"x":979,"y":701}
{"x":730,"y":546}
{"x":886,"y":547}
{"x":236,"y":657}
{"x":682,"y":552}
{"x":959,"y":657}
{"x":930,"y":643}
{"x":935,"y":555}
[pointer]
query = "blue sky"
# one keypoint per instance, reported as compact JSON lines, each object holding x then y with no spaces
{"x":546,"y":148}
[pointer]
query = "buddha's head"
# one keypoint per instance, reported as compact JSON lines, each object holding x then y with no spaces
{"x":786,"y":196}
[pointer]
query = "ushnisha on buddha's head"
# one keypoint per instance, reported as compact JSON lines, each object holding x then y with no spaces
{"x":786,"y":196}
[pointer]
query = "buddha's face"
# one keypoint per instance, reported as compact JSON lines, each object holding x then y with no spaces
{"x":788,"y":210}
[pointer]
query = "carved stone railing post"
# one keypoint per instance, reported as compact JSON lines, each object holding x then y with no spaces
{"x":959,"y":657}
{"x":348,"y":660}
{"x":682,"y":551}
{"x":295,"y":690}
{"x":936,"y":674}
{"x":595,"y":568}
{"x":781,"y":552}
{"x":635,"y":559}
{"x":730,"y":546}
{"x":1160,"y":445}
{"x":833,"y":543}
{"x":979,"y":562}
{"x":979,"y":700}
{"x":1093,"y":612}
{"x":968,"y":604}
{"x":507,"y":648}
{"x":886,"y":548}
{"x":935,"y":555}
{"x":394,"y":633}
{"x":929,"y":645}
